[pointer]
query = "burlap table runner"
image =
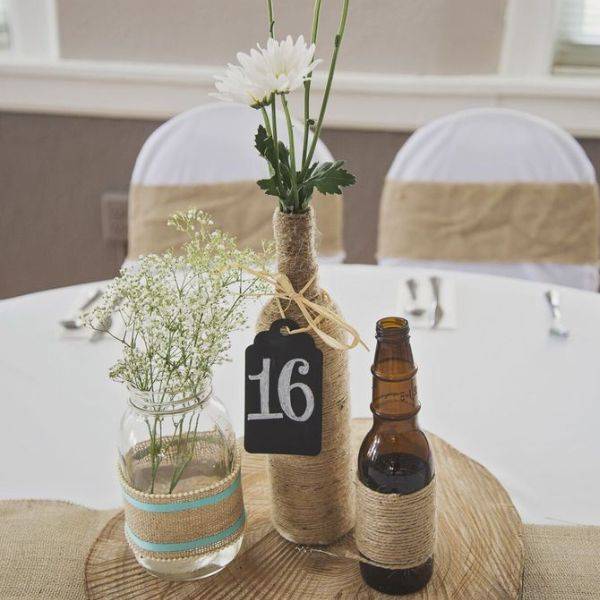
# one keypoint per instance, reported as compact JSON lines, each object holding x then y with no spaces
{"x":43,"y":546}
{"x":240,"y":208}
{"x":561,"y":563}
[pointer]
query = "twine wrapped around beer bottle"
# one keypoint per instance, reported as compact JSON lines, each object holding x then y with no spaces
{"x":396,"y":530}
{"x":312,"y":496}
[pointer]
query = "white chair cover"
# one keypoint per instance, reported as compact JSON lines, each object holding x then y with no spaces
{"x":496,"y":146}
{"x":214,"y":144}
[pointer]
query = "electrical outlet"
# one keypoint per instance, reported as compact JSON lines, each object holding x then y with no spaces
{"x":114,"y":216}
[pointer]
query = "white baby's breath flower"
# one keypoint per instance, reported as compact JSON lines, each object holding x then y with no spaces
{"x":179,"y":310}
{"x":280,"y":68}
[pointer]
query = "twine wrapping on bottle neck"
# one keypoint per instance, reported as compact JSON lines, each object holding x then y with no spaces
{"x":396,"y":530}
{"x":313,"y":313}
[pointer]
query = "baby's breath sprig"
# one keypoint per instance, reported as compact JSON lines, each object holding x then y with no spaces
{"x":178,"y":312}
{"x":180,"y":309}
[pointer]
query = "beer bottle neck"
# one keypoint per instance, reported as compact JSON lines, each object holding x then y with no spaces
{"x":398,"y":424}
{"x":395,"y":399}
{"x":394,"y":373}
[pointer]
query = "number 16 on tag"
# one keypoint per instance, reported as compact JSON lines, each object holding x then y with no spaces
{"x":283,"y":390}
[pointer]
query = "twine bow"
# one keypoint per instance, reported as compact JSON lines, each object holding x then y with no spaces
{"x":313,"y":313}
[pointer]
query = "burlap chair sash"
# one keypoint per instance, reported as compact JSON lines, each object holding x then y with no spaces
{"x":240,"y":208}
{"x":490,"y":222}
{"x":171,"y":526}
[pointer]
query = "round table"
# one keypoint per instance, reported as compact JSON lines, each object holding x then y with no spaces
{"x":498,"y":387}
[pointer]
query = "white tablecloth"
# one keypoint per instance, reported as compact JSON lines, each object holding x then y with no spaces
{"x":499,"y":388}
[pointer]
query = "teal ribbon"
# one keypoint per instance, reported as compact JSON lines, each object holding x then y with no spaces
{"x":186,"y":505}
{"x":196,"y":544}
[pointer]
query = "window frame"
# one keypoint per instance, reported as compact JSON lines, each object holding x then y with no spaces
{"x":572,"y":52}
{"x":33,"y":29}
{"x":530,"y":29}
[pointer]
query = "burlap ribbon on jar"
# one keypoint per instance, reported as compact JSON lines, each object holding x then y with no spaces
{"x":396,"y":530}
{"x":489,"y":222}
{"x":192,"y":523}
{"x":240,"y":208}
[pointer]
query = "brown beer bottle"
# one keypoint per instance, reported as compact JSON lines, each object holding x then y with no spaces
{"x":395,"y":455}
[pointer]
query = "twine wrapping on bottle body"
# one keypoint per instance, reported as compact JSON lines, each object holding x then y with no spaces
{"x":194,"y":523}
{"x":396,"y":530}
{"x":312,"y":496}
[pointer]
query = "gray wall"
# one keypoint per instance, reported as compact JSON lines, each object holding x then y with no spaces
{"x":393,"y":36}
{"x":54,"y":170}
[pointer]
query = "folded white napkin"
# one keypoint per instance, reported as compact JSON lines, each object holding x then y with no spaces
{"x":425,"y":301}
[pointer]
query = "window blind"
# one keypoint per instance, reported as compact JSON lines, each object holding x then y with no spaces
{"x":578,"y":43}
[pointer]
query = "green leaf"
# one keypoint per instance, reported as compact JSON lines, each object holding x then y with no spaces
{"x":328,"y":178}
{"x":269,"y":186}
{"x":265,"y":145}
{"x":262,"y":141}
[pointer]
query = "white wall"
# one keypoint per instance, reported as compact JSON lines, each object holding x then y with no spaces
{"x":393,"y":36}
{"x":404,"y":62}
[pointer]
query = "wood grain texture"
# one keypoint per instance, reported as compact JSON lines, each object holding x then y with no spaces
{"x":479,"y":549}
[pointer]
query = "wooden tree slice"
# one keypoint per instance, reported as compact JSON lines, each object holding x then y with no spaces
{"x":479,"y":550}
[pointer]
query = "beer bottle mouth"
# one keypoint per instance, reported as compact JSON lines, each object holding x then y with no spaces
{"x":392,"y":328}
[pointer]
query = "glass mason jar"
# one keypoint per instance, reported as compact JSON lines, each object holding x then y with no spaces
{"x":178,"y":444}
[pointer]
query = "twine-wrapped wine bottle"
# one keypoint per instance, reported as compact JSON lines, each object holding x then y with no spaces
{"x":312,"y":496}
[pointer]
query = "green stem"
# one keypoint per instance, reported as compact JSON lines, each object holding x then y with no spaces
{"x":266,"y":120}
{"x":315,"y":23}
{"x":276,"y":147}
{"x":336,"y":49}
{"x":176,"y":441}
{"x":154,"y":453}
{"x":187,"y":447}
{"x":313,"y":40}
{"x":290,"y":129}
{"x":271,"y":18}
{"x":270,"y":134}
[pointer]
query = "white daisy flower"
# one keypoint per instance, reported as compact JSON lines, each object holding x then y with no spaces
{"x":235,"y":86}
{"x":280,"y":68}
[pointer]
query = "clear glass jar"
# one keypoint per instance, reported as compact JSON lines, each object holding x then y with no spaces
{"x":178,"y":444}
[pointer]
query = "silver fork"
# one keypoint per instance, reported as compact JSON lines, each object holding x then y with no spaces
{"x":557,"y":328}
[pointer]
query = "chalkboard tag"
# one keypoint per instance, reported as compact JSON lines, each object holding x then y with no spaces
{"x":283,"y":389}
